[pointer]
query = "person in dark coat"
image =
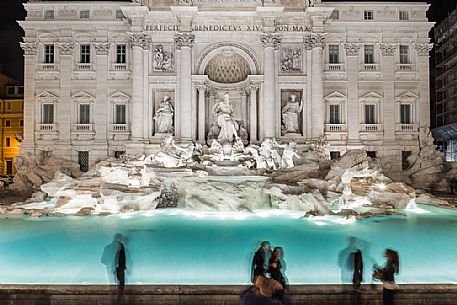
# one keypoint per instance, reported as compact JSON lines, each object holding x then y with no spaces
{"x":357,"y":276}
{"x":275,"y":266}
{"x":120,"y":264}
{"x":265,"y":291}
{"x":387,"y":276}
{"x":260,"y":261}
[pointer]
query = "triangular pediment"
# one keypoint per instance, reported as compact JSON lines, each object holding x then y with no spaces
{"x":47,"y":95}
{"x":118,"y":95}
{"x":83,"y":95}
{"x":371,"y":96}
{"x":408,"y":95}
{"x":335,"y":95}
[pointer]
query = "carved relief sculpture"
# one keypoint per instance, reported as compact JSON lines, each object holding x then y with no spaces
{"x":30,"y":48}
{"x":163,"y":60}
{"x":164,"y":116}
{"x":290,"y":115}
{"x":291,"y":59}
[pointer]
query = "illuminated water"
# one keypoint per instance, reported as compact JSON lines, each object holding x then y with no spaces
{"x":183,"y":247}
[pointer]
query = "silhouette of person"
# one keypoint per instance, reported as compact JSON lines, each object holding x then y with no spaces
{"x":350,"y":261}
{"x":276,"y":266}
{"x":115,"y":259}
{"x":387,"y":276}
{"x":260,"y":260}
{"x":264,"y":292}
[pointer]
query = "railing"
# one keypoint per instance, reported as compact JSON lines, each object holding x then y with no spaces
{"x":47,"y":67}
{"x":371,"y":127}
{"x":335,"y":67}
{"x":83,"y":127}
{"x":46,"y":127}
{"x":84,"y":66}
{"x":120,"y":67}
{"x":119,"y":127}
{"x":371,"y":67}
{"x":406,"y":127}
{"x":335,"y":127}
{"x":405,"y":67}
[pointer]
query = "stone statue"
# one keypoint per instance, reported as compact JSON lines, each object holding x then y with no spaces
{"x":172,"y":155}
{"x":162,"y":60}
{"x":164,"y":116}
{"x":222,"y":111}
{"x":290,"y":115}
{"x":288,"y":154}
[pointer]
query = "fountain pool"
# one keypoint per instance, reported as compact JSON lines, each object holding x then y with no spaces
{"x":194,"y":247}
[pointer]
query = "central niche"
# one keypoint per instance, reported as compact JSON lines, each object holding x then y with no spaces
{"x":227,"y":67}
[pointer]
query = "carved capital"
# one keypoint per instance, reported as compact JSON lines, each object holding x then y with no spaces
{"x":140,"y":40}
{"x":352,"y":49}
{"x":270,"y":40}
{"x":30,"y":48}
{"x":201,"y":87}
{"x":66,"y":48}
{"x":184,"y":39}
{"x":388,"y":49}
{"x":423,"y":49}
{"x":252,"y":88}
{"x":102,"y":48}
{"x":315,"y":40}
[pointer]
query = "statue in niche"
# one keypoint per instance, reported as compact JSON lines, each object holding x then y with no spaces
{"x":229,"y":128}
{"x":162,"y":59}
{"x":290,"y":115}
{"x":164,"y":116}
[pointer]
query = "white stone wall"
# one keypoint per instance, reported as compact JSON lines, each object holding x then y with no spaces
{"x":286,"y":49}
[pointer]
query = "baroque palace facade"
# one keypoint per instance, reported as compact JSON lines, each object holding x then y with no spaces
{"x":103,"y":78}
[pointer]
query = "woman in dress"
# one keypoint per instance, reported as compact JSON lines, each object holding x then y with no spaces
{"x":276,"y":265}
{"x":387,"y":276}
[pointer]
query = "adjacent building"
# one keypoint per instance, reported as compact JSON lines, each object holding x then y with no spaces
{"x":11,"y":122}
{"x":446,"y":85}
{"x":104,"y":78}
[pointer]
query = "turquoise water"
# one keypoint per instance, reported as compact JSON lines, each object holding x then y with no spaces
{"x":185,"y":247}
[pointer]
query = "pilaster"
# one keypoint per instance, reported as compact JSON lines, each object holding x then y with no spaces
{"x":423,"y":66}
{"x":353,"y":115}
{"x":388,"y":73}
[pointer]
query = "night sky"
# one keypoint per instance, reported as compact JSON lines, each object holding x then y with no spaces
{"x":11,"y":58}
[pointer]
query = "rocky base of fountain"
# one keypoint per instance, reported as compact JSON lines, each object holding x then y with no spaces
{"x":272,"y":176}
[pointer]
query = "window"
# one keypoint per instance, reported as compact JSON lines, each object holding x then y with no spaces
{"x":404,"y":15}
{"x":83,"y":160}
{"x":84,"y":14}
{"x":404,"y":54}
{"x":118,"y":153}
{"x":8,"y":142}
{"x":370,"y":114}
{"x":8,"y":106}
{"x":369,"y":54}
{"x":10,"y":90}
{"x":85,"y":54}
{"x":335,"y":15}
{"x":121,"y":54}
{"x":47,"y":117}
{"x":9,"y":167}
{"x":333,"y":52}
{"x":368,"y":15}
{"x":405,"y":114}
{"x":7,"y":123}
{"x":21,"y":123}
{"x":334,"y":155}
{"x":20,"y":90}
{"x":119,"y":14}
{"x":404,"y":159}
{"x":49,"y":54}
{"x":49,"y":15}
{"x":120,"y":114}
{"x":84,"y":114}
{"x":371,"y":154}
{"x":335,"y":114}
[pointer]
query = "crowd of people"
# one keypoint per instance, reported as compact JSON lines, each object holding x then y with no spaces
{"x":270,"y":283}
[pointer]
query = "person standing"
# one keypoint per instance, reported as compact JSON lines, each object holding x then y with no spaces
{"x":387,"y":276}
{"x":260,"y":261}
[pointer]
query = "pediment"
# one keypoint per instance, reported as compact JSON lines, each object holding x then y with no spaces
{"x":408,"y":95}
{"x":83,"y":95}
{"x":370,"y":96}
{"x":47,"y":95}
{"x":118,"y":95}
{"x":336,"y":95}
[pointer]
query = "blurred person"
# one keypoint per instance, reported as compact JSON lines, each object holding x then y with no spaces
{"x":260,"y":260}
{"x":350,"y":261}
{"x":387,"y":276}
{"x":266,"y":291}
{"x":276,"y":266}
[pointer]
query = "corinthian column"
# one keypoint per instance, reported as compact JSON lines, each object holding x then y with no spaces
{"x":137,"y":41}
{"x":30,"y":63}
{"x":201,"y":88}
{"x":184,"y":42}
{"x":353,"y":120}
{"x":315,"y":43}
{"x":388,"y":73}
{"x":270,"y":43}
{"x":100,"y":114}
{"x":252,"y":91}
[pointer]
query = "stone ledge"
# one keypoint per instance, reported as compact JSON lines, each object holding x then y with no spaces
{"x":217,"y":295}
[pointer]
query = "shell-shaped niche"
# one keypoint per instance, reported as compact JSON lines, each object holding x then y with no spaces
{"x":227,"y":67}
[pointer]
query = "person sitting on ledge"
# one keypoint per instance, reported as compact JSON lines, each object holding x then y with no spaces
{"x":260,"y":260}
{"x":265,"y":291}
{"x":276,"y":266}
